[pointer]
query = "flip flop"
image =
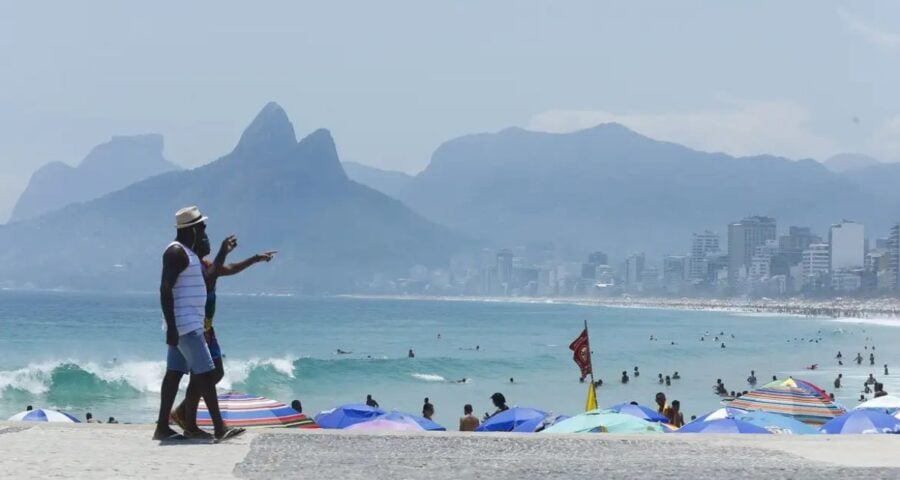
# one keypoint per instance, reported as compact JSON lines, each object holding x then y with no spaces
{"x":229,"y":434}
{"x":174,"y":436}
{"x":198,"y":435}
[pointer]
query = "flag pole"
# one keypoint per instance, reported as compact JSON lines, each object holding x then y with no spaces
{"x":590,"y":358}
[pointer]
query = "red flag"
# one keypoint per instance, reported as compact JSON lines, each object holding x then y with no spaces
{"x":581,"y":349}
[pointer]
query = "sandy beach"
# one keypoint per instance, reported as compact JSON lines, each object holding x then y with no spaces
{"x":125,"y":451}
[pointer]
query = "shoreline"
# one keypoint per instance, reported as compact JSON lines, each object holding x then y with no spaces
{"x":887,"y":311}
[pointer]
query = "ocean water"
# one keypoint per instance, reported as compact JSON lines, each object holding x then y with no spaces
{"x":105,"y":353}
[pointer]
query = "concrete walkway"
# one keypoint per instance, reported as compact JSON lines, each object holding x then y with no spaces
{"x":126,"y":451}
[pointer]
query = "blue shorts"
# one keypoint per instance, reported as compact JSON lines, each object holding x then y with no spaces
{"x":191,"y":355}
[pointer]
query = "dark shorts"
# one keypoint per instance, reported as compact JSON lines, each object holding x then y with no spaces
{"x":213,"y":343}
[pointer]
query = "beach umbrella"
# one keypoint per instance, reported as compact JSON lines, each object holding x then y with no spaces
{"x":508,"y":420}
{"x":862,"y":421}
{"x":604,"y":421}
{"x":886,"y":402}
{"x":720,"y":413}
{"x":380,"y":424}
{"x":345,"y":415}
{"x":533,"y":425}
{"x":639,"y":411}
{"x":43,"y":415}
{"x":529,"y":426}
{"x":796,"y":398}
{"x":776,"y":423}
{"x":250,"y":411}
{"x":721,"y":425}
{"x":423,"y":422}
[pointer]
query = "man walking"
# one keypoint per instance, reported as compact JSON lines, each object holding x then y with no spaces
{"x":211,"y":273}
{"x":182,"y":295}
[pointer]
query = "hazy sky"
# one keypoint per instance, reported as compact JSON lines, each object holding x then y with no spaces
{"x":392,"y":80}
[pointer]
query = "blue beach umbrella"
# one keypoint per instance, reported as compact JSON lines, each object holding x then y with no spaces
{"x":777,"y":423}
{"x":529,"y":426}
{"x":43,"y":415}
{"x":423,"y":422}
{"x":721,"y":413}
{"x":862,"y":421}
{"x":346,"y":415}
{"x":721,"y":425}
{"x":639,"y":411}
{"x":510,"y":419}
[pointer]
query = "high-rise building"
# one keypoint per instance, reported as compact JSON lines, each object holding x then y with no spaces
{"x":589,"y":269}
{"x":702,"y":245}
{"x":815,"y":264}
{"x":795,"y":242}
{"x":505,"y":270}
{"x":598,"y":258}
{"x":743,"y":238}
{"x":675,"y":272}
{"x":847,"y":241}
{"x":894,"y":253}
{"x":634,"y":271}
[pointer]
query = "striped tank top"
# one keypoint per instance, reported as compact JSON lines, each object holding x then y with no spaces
{"x":190,"y":294}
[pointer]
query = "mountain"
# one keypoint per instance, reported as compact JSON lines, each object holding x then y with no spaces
{"x":273,"y":192}
{"x":609,"y":188}
{"x":845,"y":162}
{"x":107,"y":168}
{"x":389,"y":182}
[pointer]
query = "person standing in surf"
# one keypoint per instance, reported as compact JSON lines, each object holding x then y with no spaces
{"x":182,"y":295}
{"x":211,"y":273}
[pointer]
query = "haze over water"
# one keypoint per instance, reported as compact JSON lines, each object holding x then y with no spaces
{"x":105,"y":353}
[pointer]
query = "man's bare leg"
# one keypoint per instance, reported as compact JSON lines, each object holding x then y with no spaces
{"x":168,"y":392}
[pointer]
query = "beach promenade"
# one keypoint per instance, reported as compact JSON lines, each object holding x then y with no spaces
{"x":126,"y":451}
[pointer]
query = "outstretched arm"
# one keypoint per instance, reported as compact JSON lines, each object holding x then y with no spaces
{"x":237,"y":267}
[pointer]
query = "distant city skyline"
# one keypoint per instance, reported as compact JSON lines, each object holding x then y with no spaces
{"x":394,"y":80}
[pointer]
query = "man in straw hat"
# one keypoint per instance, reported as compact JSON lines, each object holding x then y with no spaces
{"x":182,"y":294}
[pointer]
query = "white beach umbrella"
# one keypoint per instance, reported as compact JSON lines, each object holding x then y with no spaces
{"x":887,"y":402}
{"x":42,"y":415}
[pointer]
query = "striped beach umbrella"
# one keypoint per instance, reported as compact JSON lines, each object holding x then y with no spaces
{"x":248,"y":411}
{"x":43,"y":415}
{"x":795,"y":398}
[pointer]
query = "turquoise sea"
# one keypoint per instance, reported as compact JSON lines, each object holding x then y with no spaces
{"x":104,"y":353}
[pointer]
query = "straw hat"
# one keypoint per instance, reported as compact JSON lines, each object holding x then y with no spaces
{"x":188,"y":217}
